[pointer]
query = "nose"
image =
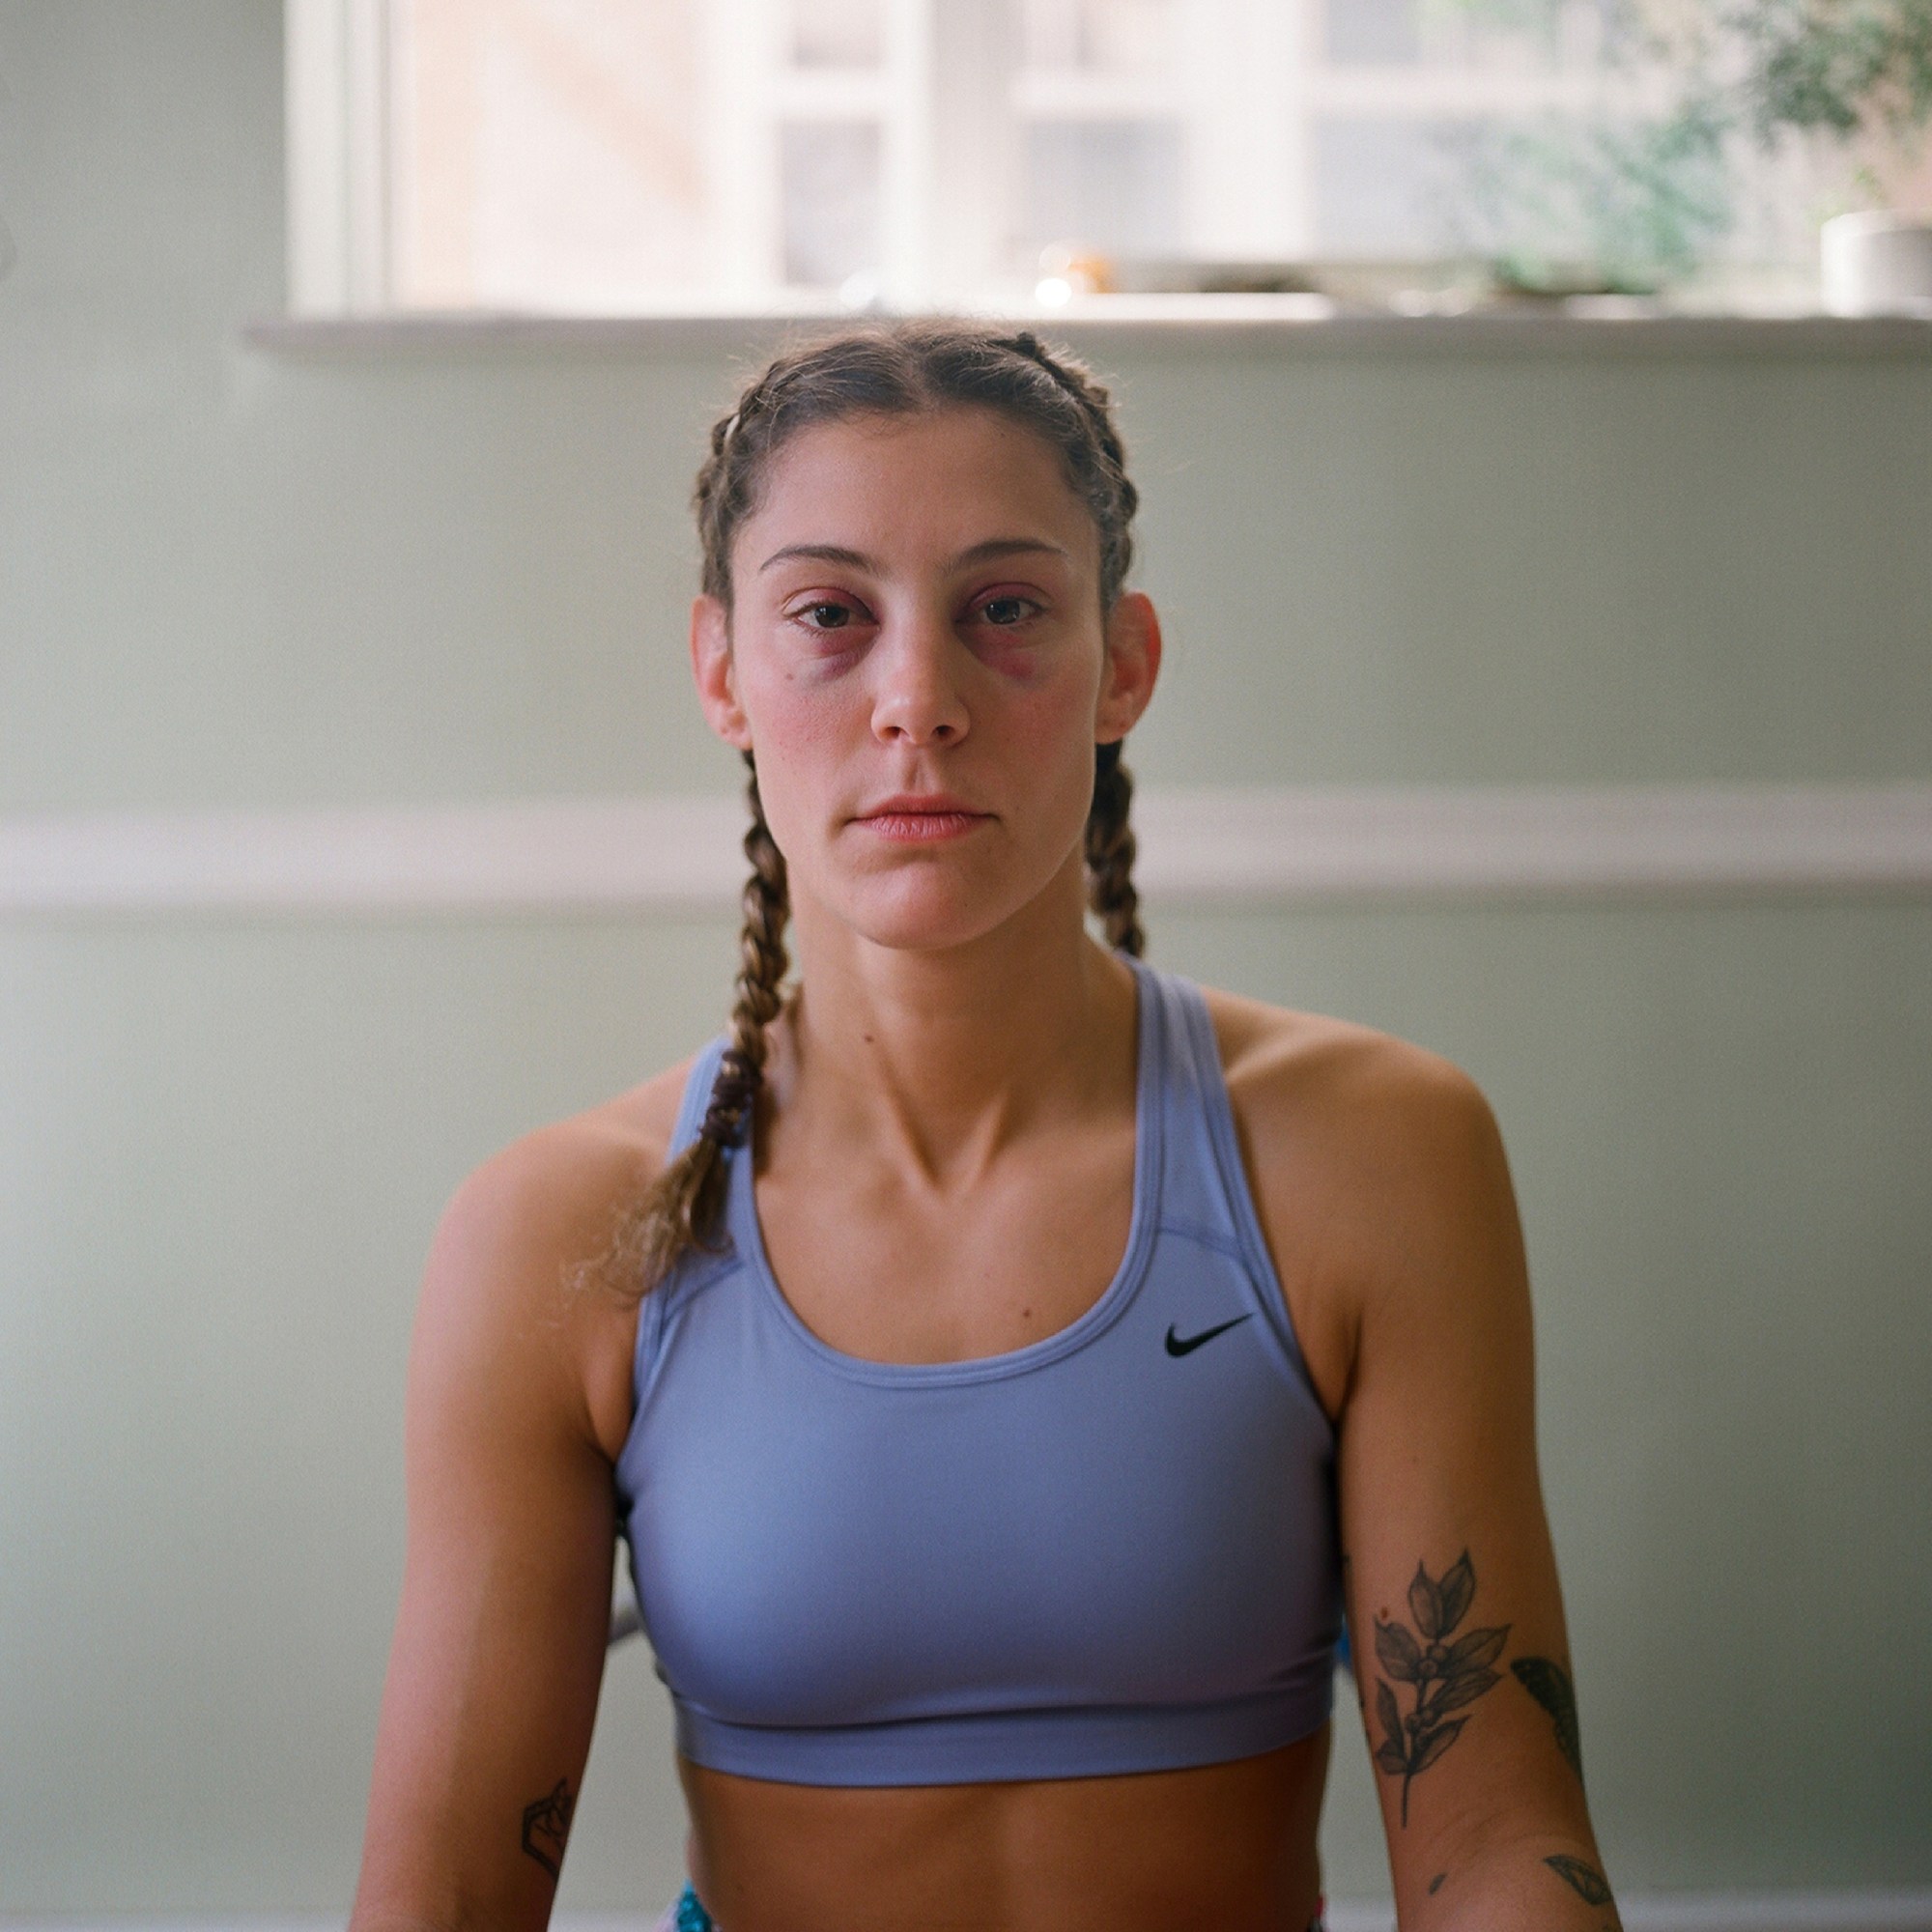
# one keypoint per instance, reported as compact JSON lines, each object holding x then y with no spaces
{"x":918,"y":700}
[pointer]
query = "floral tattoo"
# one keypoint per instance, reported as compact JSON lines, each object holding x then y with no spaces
{"x":1446,"y":1676}
{"x":546,"y":1826}
{"x":1548,"y":1683}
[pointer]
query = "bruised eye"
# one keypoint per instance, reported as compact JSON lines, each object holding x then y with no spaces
{"x":827,"y":617}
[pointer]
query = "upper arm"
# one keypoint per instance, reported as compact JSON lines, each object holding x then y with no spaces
{"x":500,"y":1640}
{"x":1452,"y":1588}
{"x":1387,"y":1196}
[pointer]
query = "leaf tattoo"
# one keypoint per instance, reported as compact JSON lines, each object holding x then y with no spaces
{"x":1548,"y":1683}
{"x":1446,"y":1676}
{"x":1584,"y":1880}
{"x":546,"y":1826}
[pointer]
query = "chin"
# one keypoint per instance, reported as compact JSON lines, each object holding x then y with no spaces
{"x":927,"y":909}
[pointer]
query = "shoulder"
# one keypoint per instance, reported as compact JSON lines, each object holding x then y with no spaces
{"x":1378,"y":1167}
{"x":1367,"y":1097}
{"x":511,"y":1308}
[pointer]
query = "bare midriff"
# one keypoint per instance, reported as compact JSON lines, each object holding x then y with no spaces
{"x":1231,"y":1846}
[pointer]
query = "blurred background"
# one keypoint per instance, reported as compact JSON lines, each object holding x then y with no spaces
{"x":1550,"y":682}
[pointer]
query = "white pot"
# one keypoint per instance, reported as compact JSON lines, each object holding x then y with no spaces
{"x":1876,"y":264}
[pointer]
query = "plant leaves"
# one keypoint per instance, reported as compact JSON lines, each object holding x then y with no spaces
{"x":1463,"y":1689}
{"x":1475,"y":1652}
{"x":1424,"y":1603}
{"x":1385,"y":1710}
{"x":1389,"y":1757}
{"x":1431,"y":1744}
{"x":1586,"y":1881}
{"x":1398,"y":1653}
{"x":1548,"y":1683}
{"x":1457,"y":1588}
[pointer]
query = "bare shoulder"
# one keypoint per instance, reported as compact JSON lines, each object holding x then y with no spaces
{"x":1365,"y":1093}
{"x":510,"y":1304}
{"x":1377,"y":1166}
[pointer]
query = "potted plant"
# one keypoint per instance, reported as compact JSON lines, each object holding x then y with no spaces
{"x":1856,"y":74}
{"x":1638,"y":197}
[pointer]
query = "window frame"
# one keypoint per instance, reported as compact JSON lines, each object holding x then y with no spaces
{"x":1252,"y":86}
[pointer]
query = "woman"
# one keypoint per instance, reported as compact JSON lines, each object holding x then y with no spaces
{"x":1008,"y":1359}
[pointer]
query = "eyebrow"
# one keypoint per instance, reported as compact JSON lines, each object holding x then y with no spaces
{"x":979,"y":553}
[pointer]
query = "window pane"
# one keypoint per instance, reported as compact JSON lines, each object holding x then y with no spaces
{"x":549,"y":151}
{"x":830,"y":191}
{"x":1111,"y":185}
{"x":1384,"y":187}
{"x":1371,"y":32}
{"x":1118,"y":36}
{"x":837,"y":33}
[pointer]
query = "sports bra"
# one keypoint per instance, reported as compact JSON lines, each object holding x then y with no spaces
{"x":1111,"y":1551}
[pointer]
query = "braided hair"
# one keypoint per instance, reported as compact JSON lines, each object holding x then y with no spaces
{"x":906,"y":368}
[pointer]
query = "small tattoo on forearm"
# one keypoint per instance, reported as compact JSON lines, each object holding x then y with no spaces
{"x":1548,"y":1683}
{"x":1584,"y":1880}
{"x":1446,"y":1676}
{"x":1435,"y":1884}
{"x":546,"y":1826}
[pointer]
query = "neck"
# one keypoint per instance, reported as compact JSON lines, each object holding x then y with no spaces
{"x":944,"y":1059}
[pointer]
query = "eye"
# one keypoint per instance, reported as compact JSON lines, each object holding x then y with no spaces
{"x":1007,"y":610}
{"x":825,"y":616}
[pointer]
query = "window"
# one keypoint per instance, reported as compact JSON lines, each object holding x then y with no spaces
{"x":648,"y":155}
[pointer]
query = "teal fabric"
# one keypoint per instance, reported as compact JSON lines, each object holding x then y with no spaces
{"x":1112,"y":1550}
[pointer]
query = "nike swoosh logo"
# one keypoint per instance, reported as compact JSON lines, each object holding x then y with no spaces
{"x":1176,"y":1347}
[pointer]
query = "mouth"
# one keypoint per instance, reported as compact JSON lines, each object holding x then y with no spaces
{"x":921,"y":820}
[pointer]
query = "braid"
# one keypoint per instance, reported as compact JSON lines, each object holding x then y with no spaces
{"x":1110,"y":493}
{"x":684,"y":1205}
{"x":1109,"y":853}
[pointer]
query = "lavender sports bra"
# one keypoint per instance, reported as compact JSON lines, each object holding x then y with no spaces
{"x":1111,"y":1551}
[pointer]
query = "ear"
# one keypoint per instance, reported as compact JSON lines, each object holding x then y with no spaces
{"x":715,"y":673}
{"x":1133,"y":663}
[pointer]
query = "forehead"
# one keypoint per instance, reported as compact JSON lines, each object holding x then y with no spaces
{"x":933,"y":483}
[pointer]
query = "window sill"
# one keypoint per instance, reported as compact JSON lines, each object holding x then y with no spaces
{"x":1186,"y":324}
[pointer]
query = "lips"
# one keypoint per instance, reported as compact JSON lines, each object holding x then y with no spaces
{"x":921,"y":817}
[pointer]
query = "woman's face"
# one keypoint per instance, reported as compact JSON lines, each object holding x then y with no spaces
{"x":917,"y":656}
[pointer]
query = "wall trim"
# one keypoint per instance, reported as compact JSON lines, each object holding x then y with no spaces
{"x":1850,"y":1911}
{"x":1186,"y":325}
{"x":1873,"y":1911}
{"x":1226,"y":847}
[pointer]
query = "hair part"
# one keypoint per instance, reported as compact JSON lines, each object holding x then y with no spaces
{"x":900,"y":369}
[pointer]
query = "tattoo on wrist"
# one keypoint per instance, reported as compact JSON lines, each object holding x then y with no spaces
{"x":1584,"y":1880}
{"x":1548,"y":1683}
{"x":1446,"y":1676}
{"x":546,"y":1826}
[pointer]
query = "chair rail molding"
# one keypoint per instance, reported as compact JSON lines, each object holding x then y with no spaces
{"x":1227,"y":849}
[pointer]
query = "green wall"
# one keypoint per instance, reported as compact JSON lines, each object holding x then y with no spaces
{"x":230,"y":576}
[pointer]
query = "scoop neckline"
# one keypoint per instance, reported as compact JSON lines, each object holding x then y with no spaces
{"x":1143,"y":1218}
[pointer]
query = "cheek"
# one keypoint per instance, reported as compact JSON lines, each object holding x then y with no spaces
{"x":801,"y":730}
{"x":1048,"y":712}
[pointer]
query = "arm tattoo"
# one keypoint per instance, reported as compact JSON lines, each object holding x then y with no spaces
{"x":547,"y":1825}
{"x":1548,"y":1683}
{"x":1584,"y":1880}
{"x":1446,"y":1676}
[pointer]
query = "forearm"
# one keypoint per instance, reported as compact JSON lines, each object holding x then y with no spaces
{"x":1540,"y":1885}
